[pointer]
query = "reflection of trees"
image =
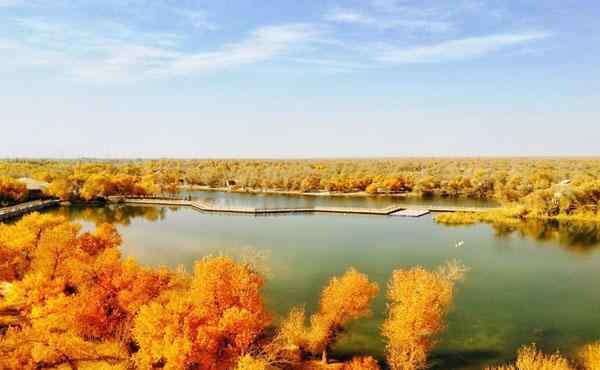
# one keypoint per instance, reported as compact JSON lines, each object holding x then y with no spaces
{"x":114,"y":214}
{"x":577,"y":237}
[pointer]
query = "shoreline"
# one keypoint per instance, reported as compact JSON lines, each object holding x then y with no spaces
{"x":297,"y":192}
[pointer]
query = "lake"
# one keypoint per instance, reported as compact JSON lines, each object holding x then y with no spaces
{"x":537,"y":283}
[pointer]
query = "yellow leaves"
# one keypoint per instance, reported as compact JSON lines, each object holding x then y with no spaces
{"x":248,"y":362}
{"x":590,"y":356}
{"x":211,"y":324}
{"x":105,"y":236}
{"x":530,"y":358}
{"x":91,"y":186}
{"x":12,"y":190}
{"x":43,"y":303}
{"x":419,"y":300}
{"x":343,"y":299}
{"x":361,"y":363}
{"x":55,"y":247}
{"x":292,"y":330}
{"x":61,"y":188}
{"x":347,"y":298}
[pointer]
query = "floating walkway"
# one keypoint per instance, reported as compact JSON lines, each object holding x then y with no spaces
{"x":399,"y":210}
{"x":24,"y":208}
{"x":411,"y":213}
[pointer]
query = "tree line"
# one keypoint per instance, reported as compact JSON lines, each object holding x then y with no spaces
{"x":502,"y":179}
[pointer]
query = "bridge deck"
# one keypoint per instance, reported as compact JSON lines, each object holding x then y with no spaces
{"x":23,"y":208}
{"x":412,"y":211}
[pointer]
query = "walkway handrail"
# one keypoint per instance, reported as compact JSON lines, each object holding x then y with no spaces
{"x":202,"y":206}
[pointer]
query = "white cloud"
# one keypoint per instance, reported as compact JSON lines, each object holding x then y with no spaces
{"x":350,"y":16}
{"x":127,"y":55}
{"x":264,"y":43}
{"x":456,"y":50}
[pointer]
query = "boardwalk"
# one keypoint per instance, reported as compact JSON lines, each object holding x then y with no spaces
{"x":23,"y":208}
{"x":410,"y":211}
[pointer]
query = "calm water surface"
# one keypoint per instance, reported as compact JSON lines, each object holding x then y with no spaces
{"x":262,"y":200}
{"x":536,"y":284}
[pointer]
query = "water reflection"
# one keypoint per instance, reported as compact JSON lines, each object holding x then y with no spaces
{"x":114,"y":214}
{"x":576,"y":237}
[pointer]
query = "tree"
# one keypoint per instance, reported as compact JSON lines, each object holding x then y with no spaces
{"x":361,"y":363}
{"x":61,"y":188}
{"x":590,"y":356}
{"x":419,"y":300}
{"x":344,"y":299}
{"x":530,"y":358}
{"x":12,"y":190}
{"x":209,"y":325}
{"x":38,"y":308}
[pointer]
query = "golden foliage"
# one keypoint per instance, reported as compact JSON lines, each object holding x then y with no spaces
{"x":210,"y":325}
{"x":11,"y":190}
{"x":590,"y":356}
{"x":248,"y":362}
{"x":61,"y":188}
{"x":505,"y":179}
{"x":361,"y":363}
{"x":530,"y":358}
{"x":38,"y":309}
{"x":344,"y":299}
{"x":419,"y":300}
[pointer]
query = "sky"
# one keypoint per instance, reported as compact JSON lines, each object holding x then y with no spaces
{"x":283,"y":79}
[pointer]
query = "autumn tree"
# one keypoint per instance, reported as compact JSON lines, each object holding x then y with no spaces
{"x":530,"y":358}
{"x":38,"y":308}
{"x":11,"y":190}
{"x":62,"y":189}
{"x":209,"y":325}
{"x":418,"y":303}
{"x":361,"y":363}
{"x":344,"y":299}
{"x":589,"y":356}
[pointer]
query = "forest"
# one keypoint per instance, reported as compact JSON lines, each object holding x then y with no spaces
{"x":69,"y":300}
{"x":567,"y":188}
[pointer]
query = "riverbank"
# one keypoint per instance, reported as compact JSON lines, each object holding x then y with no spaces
{"x":508,"y":216}
{"x":296,"y":193}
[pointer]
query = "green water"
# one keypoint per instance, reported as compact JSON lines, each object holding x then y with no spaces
{"x":535,"y":284}
{"x":265,"y":200}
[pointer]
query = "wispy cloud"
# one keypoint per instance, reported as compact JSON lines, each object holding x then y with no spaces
{"x":262,"y":44}
{"x":456,"y":50}
{"x":142,"y":44}
{"x":128,"y":55}
{"x":332,"y":65}
{"x":350,"y":16}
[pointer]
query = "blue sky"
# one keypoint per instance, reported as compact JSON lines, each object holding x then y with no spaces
{"x":299,"y":78}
